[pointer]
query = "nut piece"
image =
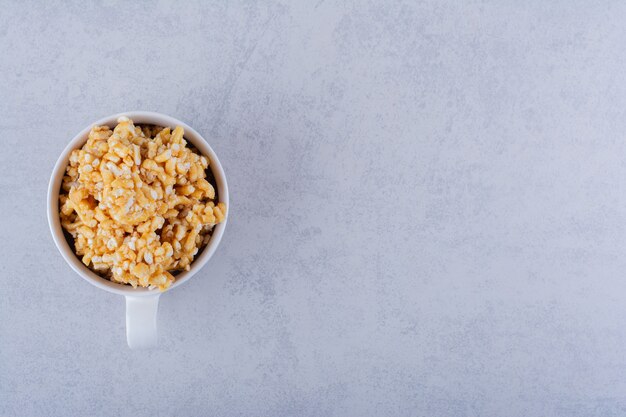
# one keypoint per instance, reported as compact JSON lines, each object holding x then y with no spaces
{"x":137,"y":203}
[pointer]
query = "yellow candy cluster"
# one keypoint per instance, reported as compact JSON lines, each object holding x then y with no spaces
{"x":137,"y":203}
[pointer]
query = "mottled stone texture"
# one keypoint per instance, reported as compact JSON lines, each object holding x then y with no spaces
{"x":428,"y":213}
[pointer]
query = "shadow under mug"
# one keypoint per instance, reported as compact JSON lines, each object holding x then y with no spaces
{"x":141,"y":303}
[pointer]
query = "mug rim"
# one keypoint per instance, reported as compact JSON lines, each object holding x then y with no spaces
{"x":54,"y":187}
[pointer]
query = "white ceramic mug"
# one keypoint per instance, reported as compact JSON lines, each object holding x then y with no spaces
{"x":141,"y":303}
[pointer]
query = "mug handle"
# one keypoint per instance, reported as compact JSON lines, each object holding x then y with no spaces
{"x":141,"y":321}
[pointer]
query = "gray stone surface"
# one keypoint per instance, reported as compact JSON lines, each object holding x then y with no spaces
{"x":428,"y":212}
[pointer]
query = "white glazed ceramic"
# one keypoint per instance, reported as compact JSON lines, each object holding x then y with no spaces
{"x":141,"y":303}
